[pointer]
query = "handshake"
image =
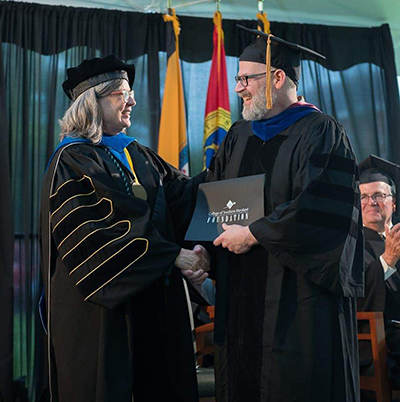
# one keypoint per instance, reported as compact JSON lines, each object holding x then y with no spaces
{"x":194,"y":264}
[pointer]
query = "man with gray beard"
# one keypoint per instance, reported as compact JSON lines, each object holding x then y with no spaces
{"x":287,"y":283}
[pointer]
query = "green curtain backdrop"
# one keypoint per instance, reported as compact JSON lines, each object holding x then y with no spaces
{"x":6,"y":254}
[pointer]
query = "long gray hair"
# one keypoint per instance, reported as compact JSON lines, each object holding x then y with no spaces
{"x":83,"y":119}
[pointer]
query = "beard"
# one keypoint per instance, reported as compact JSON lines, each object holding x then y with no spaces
{"x":257,"y":110}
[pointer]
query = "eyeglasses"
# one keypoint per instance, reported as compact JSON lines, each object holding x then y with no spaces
{"x":377,"y":197}
{"x":125,"y":94}
{"x":244,"y":79}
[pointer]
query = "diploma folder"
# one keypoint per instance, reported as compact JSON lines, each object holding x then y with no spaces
{"x":235,"y":201}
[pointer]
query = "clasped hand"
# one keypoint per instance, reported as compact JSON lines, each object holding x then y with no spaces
{"x":194,"y":264}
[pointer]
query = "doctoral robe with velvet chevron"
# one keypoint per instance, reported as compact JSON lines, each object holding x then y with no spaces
{"x":289,"y":303}
{"x":118,"y":324}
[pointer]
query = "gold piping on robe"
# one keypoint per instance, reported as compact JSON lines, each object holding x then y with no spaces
{"x":93,"y":232}
{"x":90,"y":221}
{"x":138,"y":238}
{"x":66,"y":182}
{"x":104,"y":245}
{"x":110,"y":257}
{"x":79,"y":207}
{"x":75,"y":196}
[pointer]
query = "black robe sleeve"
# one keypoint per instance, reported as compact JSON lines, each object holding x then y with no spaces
{"x":104,"y":237}
{"x":180,"y":193}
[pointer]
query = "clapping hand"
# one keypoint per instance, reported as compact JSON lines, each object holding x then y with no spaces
{"x":392,"y":245}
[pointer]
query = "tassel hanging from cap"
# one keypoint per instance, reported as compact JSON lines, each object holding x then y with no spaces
{"x":263,"y":23}
{"x":268,"y":89}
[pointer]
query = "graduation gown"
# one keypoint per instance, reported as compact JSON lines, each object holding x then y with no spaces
{"x":380,"y":295}
{"x":384,"y":296}
{"x":290,"y":301}
{"x":117,"y":317}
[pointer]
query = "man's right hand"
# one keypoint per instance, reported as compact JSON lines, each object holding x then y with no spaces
{"x":392,"y":245}
{"x":197,"y":278}
{"x":192,"y":260}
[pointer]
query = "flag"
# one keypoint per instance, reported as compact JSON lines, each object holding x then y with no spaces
{"x":218,"y":116}
{"x":263,"y":23}
{"x":172,"y":143}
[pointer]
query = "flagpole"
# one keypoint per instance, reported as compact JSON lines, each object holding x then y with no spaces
{"x":261,"y":6}
{"x":172,"y":138}
{"x":217,"y":4}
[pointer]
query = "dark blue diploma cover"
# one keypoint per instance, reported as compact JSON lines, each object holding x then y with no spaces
{"x":236,"y":201}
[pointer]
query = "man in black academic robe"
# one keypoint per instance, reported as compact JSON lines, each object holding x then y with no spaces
{"x":288,"y":286}
{"x":382,"y":254}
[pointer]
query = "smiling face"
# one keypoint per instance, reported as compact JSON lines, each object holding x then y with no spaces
{"x":376,"y":214}
{"x":253,"y":95}
{"x":116,"y":113}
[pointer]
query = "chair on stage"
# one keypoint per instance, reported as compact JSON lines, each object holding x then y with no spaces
{"x":374,"y":377}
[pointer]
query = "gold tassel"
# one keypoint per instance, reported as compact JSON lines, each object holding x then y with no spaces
{"x":262,"y":17}
{"x":268,"y":90}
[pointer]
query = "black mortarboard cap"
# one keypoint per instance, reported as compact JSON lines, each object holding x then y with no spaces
{"x":283,"y":55}
{"x":374,"y":169}
{"x":95,"y":71}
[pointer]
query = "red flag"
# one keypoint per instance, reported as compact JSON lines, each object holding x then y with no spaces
{"x":218,"y":116}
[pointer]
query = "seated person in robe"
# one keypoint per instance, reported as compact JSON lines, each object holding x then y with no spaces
{"x":382,"y":254}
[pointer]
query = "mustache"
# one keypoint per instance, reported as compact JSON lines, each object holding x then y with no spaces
{"x":245,"y":94}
